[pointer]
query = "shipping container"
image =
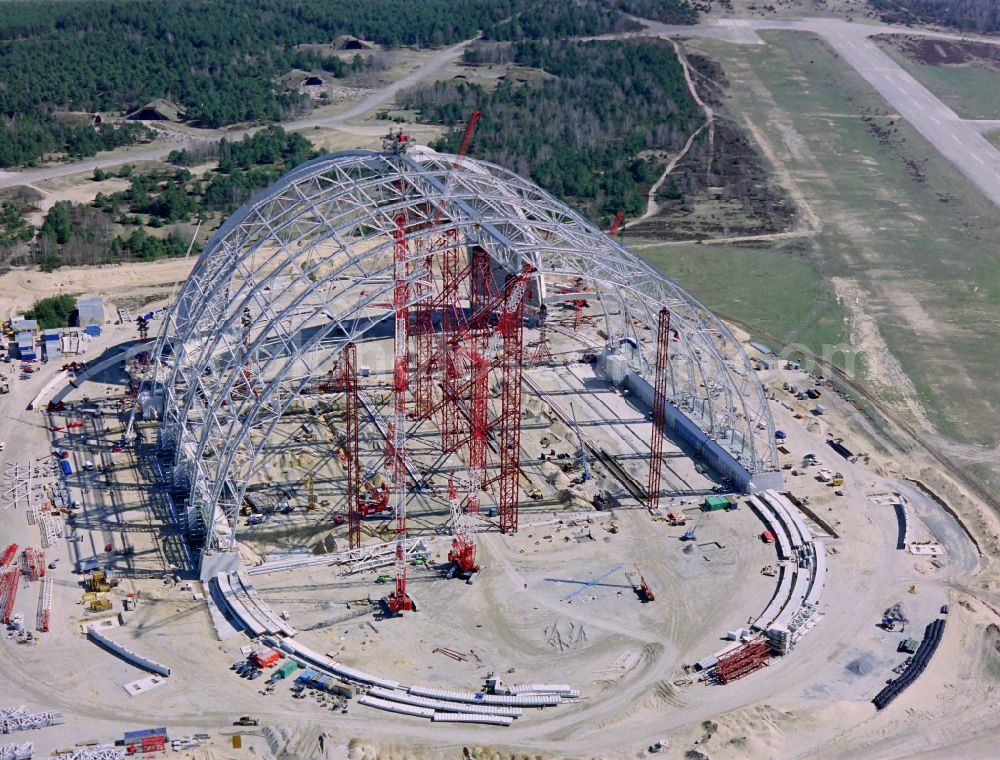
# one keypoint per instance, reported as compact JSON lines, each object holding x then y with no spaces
{"x":287,"y":668}
{"x":137,"y":736}
{"x":715,"y":502}
{"x":66,"y":467}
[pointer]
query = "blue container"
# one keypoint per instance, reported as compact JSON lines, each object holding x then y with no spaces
{"x":135,"y":736}
{"x":67,"y":468}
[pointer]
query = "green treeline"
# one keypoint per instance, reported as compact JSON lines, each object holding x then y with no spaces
{"x":967,"y":15}
{"x":218,"y":60}
{"x":581,"y":132}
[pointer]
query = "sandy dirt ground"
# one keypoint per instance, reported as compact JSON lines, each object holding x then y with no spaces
{"x":20,"y":288}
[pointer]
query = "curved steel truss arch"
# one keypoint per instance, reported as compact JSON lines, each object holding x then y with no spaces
{"x":300,"y":271}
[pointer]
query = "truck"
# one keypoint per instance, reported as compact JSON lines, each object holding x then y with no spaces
{"x":246,"y":720}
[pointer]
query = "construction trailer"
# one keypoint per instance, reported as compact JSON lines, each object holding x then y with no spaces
{"x":266,"y":659}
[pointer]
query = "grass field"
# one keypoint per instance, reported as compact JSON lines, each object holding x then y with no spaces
{"x":771,"y":291}
{"x":900,"y":226}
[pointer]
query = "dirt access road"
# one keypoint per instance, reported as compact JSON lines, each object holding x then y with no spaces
{"x":157,"y":152}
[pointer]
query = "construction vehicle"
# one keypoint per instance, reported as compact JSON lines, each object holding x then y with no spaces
{"x":383,"y":579}
{"x":645,"y":591}
{"x":376,"y":498}
{"x":689,"y":535}
{"x":246,"y":720}
{"x":100,"y":605}
{"x":99,"y":582}
{"x":463,"y":547}
{"x":675,"y":519}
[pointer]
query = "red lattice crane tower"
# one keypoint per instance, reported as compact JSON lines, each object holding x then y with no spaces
{"x":512,"y":332}
{"x":616,"y":224}
{"x":660,"y":388}
{"x":425,"y":361}
{"x":349,"y":382}
{"x":398,"y":600}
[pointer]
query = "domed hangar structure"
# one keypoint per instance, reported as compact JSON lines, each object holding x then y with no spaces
{"x":304,"y":291}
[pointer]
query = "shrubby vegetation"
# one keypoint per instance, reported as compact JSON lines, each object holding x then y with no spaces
{"x":967,"y":15}
{"x":112,"y":229}
{"x":14,"y":228}
{"x":580,"y":133}
{"x":54,"y":311}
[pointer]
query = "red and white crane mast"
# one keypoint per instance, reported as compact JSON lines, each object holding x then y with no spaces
{"x":399,"y":601}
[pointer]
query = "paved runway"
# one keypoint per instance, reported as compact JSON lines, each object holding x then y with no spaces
{"x":961,"y":142}
{"x":957,"y":140}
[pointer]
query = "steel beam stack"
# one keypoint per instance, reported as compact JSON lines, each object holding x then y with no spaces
{"x":8,"y":593}
{"x":660,"y":388}
{"x":742,"y":661}
{"x":34,"y":563}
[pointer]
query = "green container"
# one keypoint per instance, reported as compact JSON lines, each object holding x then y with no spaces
{"x":287,"y":668}
{"x":713,"y":503}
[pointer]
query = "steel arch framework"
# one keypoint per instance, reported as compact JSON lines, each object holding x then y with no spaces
{"x":305,"y":268}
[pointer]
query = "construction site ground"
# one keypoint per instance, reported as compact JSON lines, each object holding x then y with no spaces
{"x":626,"y":657}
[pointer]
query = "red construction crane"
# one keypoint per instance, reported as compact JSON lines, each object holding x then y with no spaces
{"x":398,"y":600}
{"x":616,"y":224}
{"x":470,"y":130}
{"x":424,"y":359}
{"x":542,"y":353}
{"x":463,"y":546}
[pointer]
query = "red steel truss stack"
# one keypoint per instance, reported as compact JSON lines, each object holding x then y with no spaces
{"x":742,"y":661}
